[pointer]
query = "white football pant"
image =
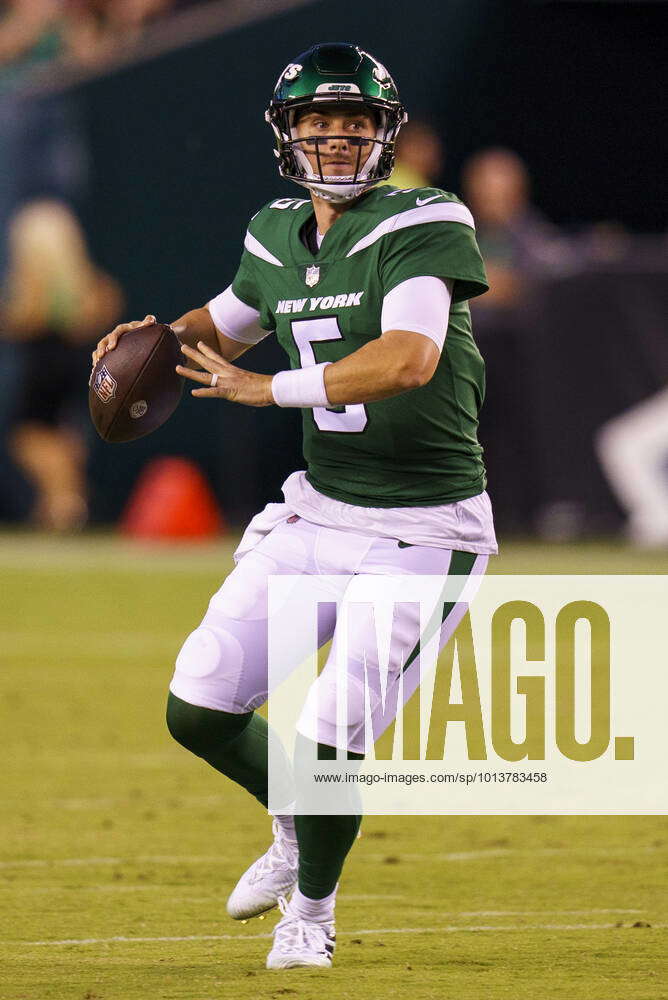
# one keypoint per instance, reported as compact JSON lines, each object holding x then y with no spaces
{"x":223,"y":663}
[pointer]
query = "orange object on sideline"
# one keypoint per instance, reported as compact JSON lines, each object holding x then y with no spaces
{"x":172,"y":499}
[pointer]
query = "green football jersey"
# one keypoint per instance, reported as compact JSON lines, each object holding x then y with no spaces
{"x":419,"y":448}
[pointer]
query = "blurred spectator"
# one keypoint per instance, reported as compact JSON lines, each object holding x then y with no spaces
{"x":83,"y":32}
{"x":41,"y":150}
{"x":97,"y":29}
{"x":55,"y":304}
{"x":29,"y":37}
{"x":41,"y":153}
{"x":43,"y":156}
{"x":420,"y":156}
{"x":515,"y":238}
{"x":517,"y":244}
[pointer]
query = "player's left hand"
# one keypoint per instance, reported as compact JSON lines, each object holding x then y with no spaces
{"x":229,"y":382}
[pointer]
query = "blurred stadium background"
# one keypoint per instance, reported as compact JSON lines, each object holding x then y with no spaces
{"x":144,"y":119}
{"x":133,"y":151}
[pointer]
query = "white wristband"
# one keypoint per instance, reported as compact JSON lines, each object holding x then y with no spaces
{"x":301,"y":387}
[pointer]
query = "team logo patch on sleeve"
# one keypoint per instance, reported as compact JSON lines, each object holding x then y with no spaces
{"x":105,"y":385}
{"x":312,"y":276}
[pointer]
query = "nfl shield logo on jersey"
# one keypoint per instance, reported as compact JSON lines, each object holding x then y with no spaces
{"x":312,"y":276}
{"x":104,"y":384}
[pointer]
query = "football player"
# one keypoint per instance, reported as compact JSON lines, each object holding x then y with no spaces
{"x":366,"y":287}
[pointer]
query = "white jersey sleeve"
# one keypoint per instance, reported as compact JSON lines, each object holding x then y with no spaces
{"x":419,"y":305}
{"x":234,"y":319}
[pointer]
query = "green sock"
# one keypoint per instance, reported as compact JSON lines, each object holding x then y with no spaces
{"x":236,"y":745}
{"x":324,"y":841}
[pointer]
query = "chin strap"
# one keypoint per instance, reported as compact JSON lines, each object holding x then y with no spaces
{"x":337,"y":192}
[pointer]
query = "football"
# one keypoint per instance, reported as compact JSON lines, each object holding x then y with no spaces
{"x":134,"y":389}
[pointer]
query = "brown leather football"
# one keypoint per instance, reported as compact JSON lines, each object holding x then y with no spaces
{"x":134,"y":389}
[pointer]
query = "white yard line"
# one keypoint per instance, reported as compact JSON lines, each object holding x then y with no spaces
{"x":447,"y":929}
{"x":345,"y":897}
{"x":480,"y":855}
{"x":537,"y":913}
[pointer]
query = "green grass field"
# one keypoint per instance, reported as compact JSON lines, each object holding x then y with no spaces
{"x":118,"y":848}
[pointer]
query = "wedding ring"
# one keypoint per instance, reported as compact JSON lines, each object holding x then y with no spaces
{"x":214,"y":379}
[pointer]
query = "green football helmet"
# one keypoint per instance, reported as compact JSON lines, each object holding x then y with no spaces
{"x":335,"y":74}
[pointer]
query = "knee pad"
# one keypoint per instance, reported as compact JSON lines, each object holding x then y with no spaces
{"x":211,"y":670}
{"x":208,"y":650}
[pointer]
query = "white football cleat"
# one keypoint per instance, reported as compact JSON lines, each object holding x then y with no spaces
{"x":301,"y":943}
{"x":271,"y":876}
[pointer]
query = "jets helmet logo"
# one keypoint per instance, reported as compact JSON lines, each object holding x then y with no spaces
{"x":292,"y":71}
{"x":104,"y":384}
{"x":381,"y":76}
{"x":312,"y":276}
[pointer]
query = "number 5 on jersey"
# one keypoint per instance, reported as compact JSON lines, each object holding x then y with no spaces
{"x":353,"y":418}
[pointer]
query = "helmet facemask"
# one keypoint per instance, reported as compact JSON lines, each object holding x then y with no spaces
{"x":369,"y":167}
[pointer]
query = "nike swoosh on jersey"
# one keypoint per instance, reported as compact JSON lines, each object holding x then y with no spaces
{"x":423,"y":201}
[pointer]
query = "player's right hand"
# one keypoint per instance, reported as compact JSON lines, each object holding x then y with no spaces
{"x":111,"y":339}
